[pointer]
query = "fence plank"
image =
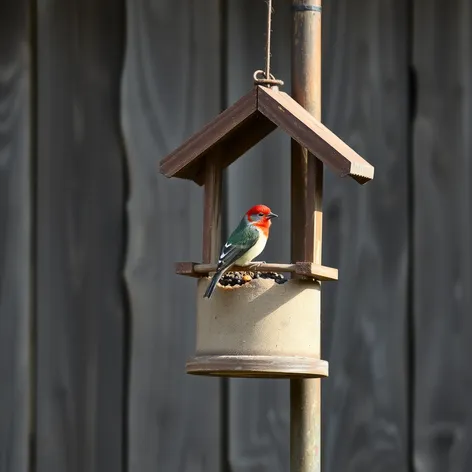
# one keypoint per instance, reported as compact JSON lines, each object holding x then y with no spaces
{"x":171,"y":87}
{"x":442,"y":235}
{"x":365,"y":93}
{"x":259,"y":409}
{"x":80,"y":352}
{"x":15,"y":236}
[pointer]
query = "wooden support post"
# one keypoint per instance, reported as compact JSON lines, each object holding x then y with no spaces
{"x":307,"y":188}
{"x":212,"y":211}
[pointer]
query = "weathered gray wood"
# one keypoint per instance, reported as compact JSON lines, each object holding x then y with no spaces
{"x":15,"y":236}
{"x":442,"y":236}
{"x":80,"y":300}
{"x":365,"y":93}
{"x":170,"y":89}
{"x":259,"y":409}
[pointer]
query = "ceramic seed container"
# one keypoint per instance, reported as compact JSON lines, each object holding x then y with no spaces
{"x":259,"y":329}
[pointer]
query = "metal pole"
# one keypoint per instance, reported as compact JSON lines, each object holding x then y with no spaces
{"x":307,"y":190}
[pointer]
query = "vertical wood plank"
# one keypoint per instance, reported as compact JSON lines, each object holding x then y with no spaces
{"x":442,"y":60}
{"x":80,"y":346}
{"x":15,"y":235}
{"x":259,"y":409}
{"x":365,"y":93}
{"x":212,"y":212}
{"x":171,"y":87}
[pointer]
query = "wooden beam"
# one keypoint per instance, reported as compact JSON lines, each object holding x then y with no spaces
{"x":310,"y":133}
{"x":303,"y":269}
{"x":212,"y":211}
{"x":251,"y":119}
{"x":187,"y":160}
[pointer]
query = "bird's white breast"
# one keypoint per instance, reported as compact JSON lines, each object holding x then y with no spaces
{"x":254,"y":251}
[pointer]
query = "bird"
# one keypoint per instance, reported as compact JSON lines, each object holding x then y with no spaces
{"x":245,"y":243}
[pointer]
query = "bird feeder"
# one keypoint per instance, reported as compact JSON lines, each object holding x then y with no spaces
{"x":259,"y":329}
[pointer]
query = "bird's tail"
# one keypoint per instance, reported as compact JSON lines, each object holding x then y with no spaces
{"x":211,"y":287}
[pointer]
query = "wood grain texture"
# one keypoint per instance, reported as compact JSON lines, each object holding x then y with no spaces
{"x":259,"y":409}
{"x":212,"y":209}
{"x":240,"y":126}
{"x":231,"y":132}
{"x":253,"y":366}
{"x":306,"y":269}
{"x":365,"y":73}
{"x":291,"y":117}
{"x":442,"y":236}
{"x":169,"y":92}
{"x":80,"y":306}
{"x":15,"y":236}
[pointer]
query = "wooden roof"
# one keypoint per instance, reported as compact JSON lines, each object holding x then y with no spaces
{"x":248,"y":121}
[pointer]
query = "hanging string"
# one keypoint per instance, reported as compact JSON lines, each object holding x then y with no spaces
{"x":265,"y":77}
{"x":269,"y":34}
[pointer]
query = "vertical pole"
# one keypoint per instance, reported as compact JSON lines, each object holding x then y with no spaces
{"x":307,"y":190}
{"x":212,"y":211}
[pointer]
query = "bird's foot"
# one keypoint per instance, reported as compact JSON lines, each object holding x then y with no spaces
{"x":255,"y":264}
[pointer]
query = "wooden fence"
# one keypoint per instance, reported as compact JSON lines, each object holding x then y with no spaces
{"x":94,"y":326}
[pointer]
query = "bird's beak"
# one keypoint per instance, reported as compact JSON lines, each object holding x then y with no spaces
{"x":271,"y":215}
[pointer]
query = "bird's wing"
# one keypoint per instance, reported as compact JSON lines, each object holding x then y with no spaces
{"x":238,"y":244}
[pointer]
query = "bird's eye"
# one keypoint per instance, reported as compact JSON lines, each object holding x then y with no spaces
{"x":261,"y":214}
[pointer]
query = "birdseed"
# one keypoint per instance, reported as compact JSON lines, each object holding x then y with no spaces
{"x":240,"y":278}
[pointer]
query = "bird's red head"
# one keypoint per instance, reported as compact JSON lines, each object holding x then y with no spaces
{"x":260,"y":216}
